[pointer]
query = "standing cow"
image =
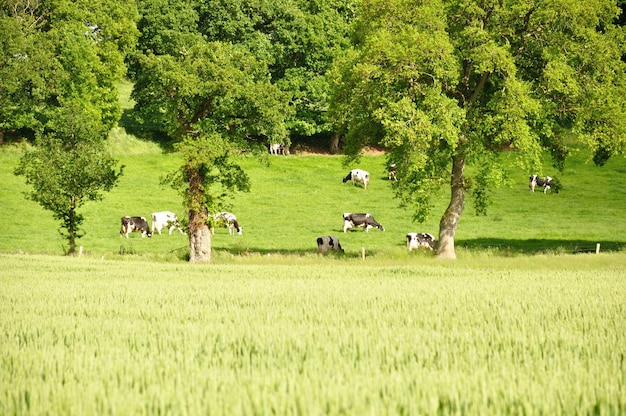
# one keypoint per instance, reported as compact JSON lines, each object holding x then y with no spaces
{"x":328,"y":243}
{"x":364,"y":220}
{"x":135,"y":224}
{"x":228,"y":220}
{"x":278,"y":149}
{"x":535,"y":181}
{"x":420,"y":240}
{"x":165,"y":219}
{"x":358,"y":176}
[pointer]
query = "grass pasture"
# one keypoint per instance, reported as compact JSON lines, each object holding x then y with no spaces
{"x":92,"y":336}
{"x":298,"y":198}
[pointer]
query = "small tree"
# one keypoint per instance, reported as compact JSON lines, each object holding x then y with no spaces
{"x":64,"y":175}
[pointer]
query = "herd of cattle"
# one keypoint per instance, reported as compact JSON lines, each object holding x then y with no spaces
{"x":168,"y":220}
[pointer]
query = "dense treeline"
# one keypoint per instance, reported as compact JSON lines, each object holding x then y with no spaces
{"x":441,"y":84}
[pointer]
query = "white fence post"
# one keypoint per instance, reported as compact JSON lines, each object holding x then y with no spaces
{"x":598,"y":248}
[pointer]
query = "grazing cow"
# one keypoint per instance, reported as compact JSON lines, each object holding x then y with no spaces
{"x":360,"y":220}
{"x":135,"y":224}
{"x":165,"y":219}
{"x":419,"y":240}
{"x":227,"y":219}
{"x":358,"y":176}
{"x":328,"y":243}
{"x":535,"y":180}
{"x":278,"y":149}
{"x":391,"y":172}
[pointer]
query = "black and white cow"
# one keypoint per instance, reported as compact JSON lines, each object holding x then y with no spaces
{"x":328,"y":243}
{"x":278,"y":149}
{"x":366,"y":221}
{"x":228,"y":220}
{"x":391,"y":172}
{"x":535,"y":181}
{"x":420,"y":240}
{"x":165,"y":219}
{"x":135,"y":224}
{"x":358,"y":176}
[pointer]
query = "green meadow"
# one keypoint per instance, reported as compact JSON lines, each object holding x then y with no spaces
{"x":298,"y":198}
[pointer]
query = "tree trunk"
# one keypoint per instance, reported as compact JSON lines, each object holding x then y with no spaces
{"x":334,"y":143}
{"x":199,"y":232}
{"x":200,"y":244}
{"x":450,"y":219}
{"x":71,"y":228}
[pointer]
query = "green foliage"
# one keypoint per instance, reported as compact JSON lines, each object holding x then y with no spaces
{"x":445,"y":84}
{"x":167,"y":27}
{"x":62,"y":55}
{"x":214,"y":87}
{"x":210,"y":156}
{"x":64,"y":175}
{"x":539,"y":335}
{"x":296,"y":40}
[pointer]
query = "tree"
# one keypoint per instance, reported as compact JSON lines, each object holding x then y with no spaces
{"x":214,"y":100}
{"x":449,"y":84}
{"x":297,"y":39}
{"x":67,"y":168}
{"x":55,"y":54}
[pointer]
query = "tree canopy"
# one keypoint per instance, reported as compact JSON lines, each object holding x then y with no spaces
{"x":215,"y":100}
{"x":297,"y":40}
{"x":451,"y":83}
{"x":64,"y":176}
{"x":58,"y":54}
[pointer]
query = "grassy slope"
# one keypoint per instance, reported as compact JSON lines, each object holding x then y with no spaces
{"x":298,"y":198}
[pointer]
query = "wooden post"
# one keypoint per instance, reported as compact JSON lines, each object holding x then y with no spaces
{"x":80,"y":251}
{"x":363,"y":253}
{"x":598,"y":248}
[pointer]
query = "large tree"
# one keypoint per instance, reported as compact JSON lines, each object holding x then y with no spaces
{"x":447,"y":84}
{"x":215,"y":100}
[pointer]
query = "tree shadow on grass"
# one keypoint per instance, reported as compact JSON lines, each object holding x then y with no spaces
{"x":538,"y":246}
{"x":145,"y":132}
{"x":502,"y":247}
